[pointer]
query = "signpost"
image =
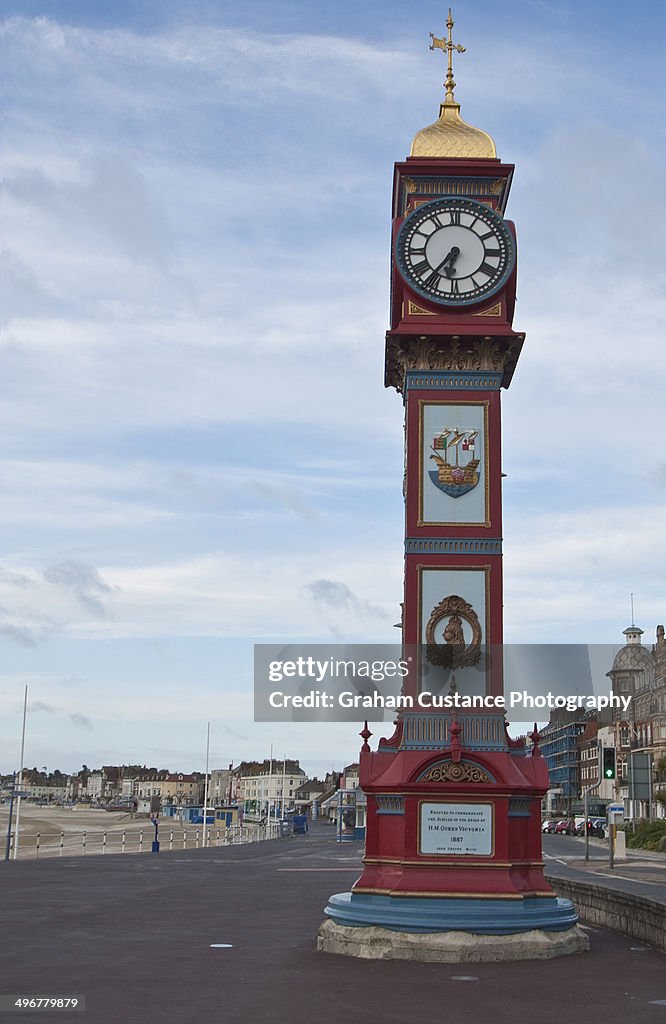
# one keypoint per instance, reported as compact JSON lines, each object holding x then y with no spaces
{"x":640,"y":782}
{"x":615,"y":818}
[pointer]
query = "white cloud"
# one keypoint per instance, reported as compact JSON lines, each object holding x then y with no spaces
{"x":196,"y":232}
{"x":568,"y":575}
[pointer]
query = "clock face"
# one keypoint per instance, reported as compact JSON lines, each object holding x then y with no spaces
{"x":454,"y":252}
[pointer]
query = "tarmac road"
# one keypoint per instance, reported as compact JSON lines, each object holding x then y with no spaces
{"x":573,"y":847}
{"x":134,"y":935}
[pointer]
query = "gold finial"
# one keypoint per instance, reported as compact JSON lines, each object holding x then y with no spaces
{"x":449,"y":46}
{"x":450,"y":136}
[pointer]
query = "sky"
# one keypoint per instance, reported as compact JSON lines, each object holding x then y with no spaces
{"x":197,"y":451}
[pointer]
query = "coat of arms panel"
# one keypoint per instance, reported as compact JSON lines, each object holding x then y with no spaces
{"x":453,"y":472}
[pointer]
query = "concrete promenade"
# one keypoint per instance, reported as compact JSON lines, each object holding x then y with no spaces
{"x":133,"y":934}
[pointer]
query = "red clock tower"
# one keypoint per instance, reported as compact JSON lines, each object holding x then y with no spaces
{"x":453,"y":848}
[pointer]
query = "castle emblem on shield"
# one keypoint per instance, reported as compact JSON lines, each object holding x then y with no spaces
{"x":454,"y":451}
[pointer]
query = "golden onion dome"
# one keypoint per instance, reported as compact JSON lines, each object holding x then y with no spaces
{"x":450,"y":136}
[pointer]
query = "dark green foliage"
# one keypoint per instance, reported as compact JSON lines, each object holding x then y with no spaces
{"x":647,"y":835}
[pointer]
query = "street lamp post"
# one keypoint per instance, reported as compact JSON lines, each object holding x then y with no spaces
{"x":19,"y":794}
{"x":156,"y":843}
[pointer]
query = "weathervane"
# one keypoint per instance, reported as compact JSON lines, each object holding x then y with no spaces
{"x":449,"y":46}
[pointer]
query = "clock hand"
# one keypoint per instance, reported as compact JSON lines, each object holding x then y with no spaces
{"x":450,"y":270}
{"x":450,"y":258}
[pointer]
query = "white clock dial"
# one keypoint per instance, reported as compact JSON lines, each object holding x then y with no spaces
{"x":454,"y":251}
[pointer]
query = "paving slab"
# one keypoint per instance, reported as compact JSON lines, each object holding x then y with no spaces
{"x":229,"y":935}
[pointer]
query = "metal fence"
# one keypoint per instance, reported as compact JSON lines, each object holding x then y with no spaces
{"x":87,"y":843}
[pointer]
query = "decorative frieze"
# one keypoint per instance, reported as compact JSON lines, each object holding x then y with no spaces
{"x":450,"y":771}
{"x":390,"y":805}
{"x":453,"y":354}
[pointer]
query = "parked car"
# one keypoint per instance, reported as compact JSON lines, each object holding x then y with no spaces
{"x":599,"y":828}
{"x":596,"y":827}
{"x":549,"y":826}
{"x":567,"y":827}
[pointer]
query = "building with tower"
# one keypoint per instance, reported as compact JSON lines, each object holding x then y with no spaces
{"x":633,"y":668}
{"x":572,"y":742}
{"x":640,"y":737}
{"x":453,"y":839}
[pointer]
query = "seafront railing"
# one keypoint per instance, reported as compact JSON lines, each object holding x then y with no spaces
{"x":86,"y":843}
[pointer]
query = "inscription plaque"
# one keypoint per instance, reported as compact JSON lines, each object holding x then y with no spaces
{"x":450,"y":829}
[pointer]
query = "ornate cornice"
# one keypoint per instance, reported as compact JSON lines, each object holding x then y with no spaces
{"x":450,"y":353}
{"x":448,"y":771}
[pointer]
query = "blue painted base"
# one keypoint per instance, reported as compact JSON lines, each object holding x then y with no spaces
{"x":479,"y":916}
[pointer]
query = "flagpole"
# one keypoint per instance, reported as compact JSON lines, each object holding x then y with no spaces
{"x":270,"y":783}
{"x":205,"y":810}
{"x":20,"y":782}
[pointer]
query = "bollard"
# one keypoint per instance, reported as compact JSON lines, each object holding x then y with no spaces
{"x":62,"y":843}
{"x":217,"y":841}
{"x":171,"y":839}
{"x":83,"y":852}
{"x":141,"y":841}
{"x":37,"y":845}
{"x":196,"y":840}
{"x":122,"y":845}
{"x":104,"y":842}
{"x":184,"y":839}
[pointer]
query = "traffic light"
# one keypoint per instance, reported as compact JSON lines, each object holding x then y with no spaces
{"x":608,"y":763}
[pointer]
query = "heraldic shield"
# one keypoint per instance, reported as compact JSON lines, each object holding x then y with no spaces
{"x":454,"y":451}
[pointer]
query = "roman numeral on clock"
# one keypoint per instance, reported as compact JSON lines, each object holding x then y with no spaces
{"x":492,"y":252}
{"x":485,"y":268}
{"x":431,"y":280}
{"x":455,"y":216}
{"x":420,"y":267}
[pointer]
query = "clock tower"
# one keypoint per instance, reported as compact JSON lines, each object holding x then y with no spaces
{"x":453,"y":866}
